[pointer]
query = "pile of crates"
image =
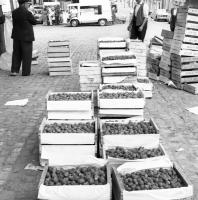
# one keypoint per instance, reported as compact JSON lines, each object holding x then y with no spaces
{"x":58,"y":57}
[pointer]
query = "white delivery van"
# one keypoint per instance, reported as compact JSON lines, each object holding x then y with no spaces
{"x":90,"y":11}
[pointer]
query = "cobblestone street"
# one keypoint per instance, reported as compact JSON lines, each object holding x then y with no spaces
{"x":19,"y":125}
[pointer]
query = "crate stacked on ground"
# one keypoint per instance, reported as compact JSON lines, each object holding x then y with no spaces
{"x":165,"y":62}
{"x":83,"y":181}
{"x":119,"y":67}
{"x":89,"y":75}
{"x":156,"y":179}
{"x":69,"y":105}
{"x":153,"y":60}
{"x":67,"y":141}
{"x":110,"y":44}
{"x":184,"y":50}
{"x":130,"y":140}
{"x":143,"y":83}
{"x":121,"y":103}
{"x":35,"y":57}
{"x":59,"y":62}
{"x":139,"y":49}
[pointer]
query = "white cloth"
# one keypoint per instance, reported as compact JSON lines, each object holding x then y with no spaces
{"x":145,"y":9}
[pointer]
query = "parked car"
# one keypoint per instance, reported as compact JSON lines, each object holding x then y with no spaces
{"x":160,"y":14}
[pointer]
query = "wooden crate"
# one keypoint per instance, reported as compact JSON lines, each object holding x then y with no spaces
{"x":126,"y":140}
{"x":89,"y":68}
{"x":59,"y":63}
{"x":187,"y":79}
{"x":121,"y":194}
{"x":120,"y":113}
{"x":87,"y":87}
{"x":75,"y":191}
{"x":58,"y":43}
{"x":130,"y":103}
{"x":164,"y":66}
{"x":70,"y":105}
{"x":82,"y":109}
{"x":165,"y":73}
{"x":118,"y":79}
{"x":153,"y":76}
{"x":62,"y":154}
{"x":167,"y":34}
{"x":122,"y":160}
{"x":192,"y":88}
{"x":67,"y":138}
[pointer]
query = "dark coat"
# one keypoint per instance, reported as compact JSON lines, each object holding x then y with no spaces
{"x":2,"y":19}
{"x":22,"y":24}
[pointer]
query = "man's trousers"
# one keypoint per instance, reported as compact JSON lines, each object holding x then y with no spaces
{"x":22,"y":54}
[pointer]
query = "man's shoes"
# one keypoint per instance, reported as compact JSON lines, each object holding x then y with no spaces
{"x":14,"y":74}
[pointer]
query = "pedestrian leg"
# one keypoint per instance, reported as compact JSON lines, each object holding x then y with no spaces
{"x":26,"y":58}
{"x":16,"y":56}
{"x":141,"y":34}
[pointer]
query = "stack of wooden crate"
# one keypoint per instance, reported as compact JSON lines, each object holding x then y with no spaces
{"x":153,"y":60}
{"x":110,"y":44}
{"x":139,"y":49}
{"x":119,"y":67}
{"x":121,"y":104}
{"x":89,"y":75}
{"x":59,"y":61}
{"x":165,"y":62}
{"x":184,"y":50}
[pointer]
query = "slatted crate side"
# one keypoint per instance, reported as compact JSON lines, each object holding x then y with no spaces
{"x":59,"y":43}
{"x":59,"y":59}
{"x":118,"y":186}
{"x":165,"y":73}
{"x":86,"y":87}
{"x":118,"y":79}
{"x":120,"y":71}
{"x":192,"y":88}
{"x":58,"y":55}
{"x":91,"y":79}
{"x":112,"y":45}
{"x":60,"y":64}
{"x":153,"y":76}
{"x":60,"y":69}
{"x":67,"y":138}
{"x":64,"y":49}
{"x":92,"y":68}
{"x":167,"y":34}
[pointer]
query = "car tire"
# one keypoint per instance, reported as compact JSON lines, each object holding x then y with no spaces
{"x":74,"y":23}
{"x":102,"y":22}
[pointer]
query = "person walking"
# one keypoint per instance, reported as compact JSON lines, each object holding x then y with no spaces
{"x":139,"y":20}
{"x":57,"y":15}
{"x":23,"y":37}
{"x":173,"y":18}
{"x":44,"y":16}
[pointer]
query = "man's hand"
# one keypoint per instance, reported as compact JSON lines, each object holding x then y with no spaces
{"x":140,"y":28}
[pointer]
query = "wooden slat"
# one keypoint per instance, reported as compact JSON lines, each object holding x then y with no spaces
{"x":60,"y":69}
{"x":55,"y":60}
{"x":167,"y":34}
{"x":58,"y":43}
{"x":58,"y":55}
{"x":192,"y":88}
{"x":60,"y":73}
{"x":60,"y":64}
{"x":58,"y":49}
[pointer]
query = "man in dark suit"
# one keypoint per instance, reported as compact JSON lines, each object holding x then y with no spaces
{"x":23,"y":37}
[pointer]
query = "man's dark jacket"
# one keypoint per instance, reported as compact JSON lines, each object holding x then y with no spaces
{"x":22,"y":24}
{"x":2,"y":19}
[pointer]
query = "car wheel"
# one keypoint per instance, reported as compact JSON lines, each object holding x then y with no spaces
{"x":74,"y":23}
{"x":102,"y":22}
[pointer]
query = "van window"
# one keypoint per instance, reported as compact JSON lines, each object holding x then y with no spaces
{"x":97,"y":10}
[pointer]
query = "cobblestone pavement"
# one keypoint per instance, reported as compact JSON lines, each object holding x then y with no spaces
{"x":19,"y":125}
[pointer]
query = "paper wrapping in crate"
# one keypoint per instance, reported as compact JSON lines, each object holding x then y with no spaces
{"x":76,"y":192}
{"x":155,"y":194}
